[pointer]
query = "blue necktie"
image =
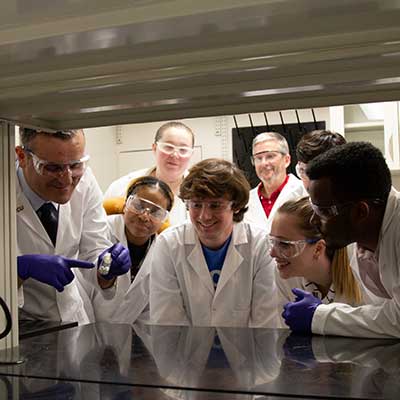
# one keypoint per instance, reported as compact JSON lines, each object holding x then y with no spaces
{"x":48,"y":215}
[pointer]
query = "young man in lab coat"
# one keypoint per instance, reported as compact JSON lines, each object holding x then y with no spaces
{"x":353,"y":201}
{"x":270,"y":157}
{"x":213,"y":270}
{"x":60,"y":219}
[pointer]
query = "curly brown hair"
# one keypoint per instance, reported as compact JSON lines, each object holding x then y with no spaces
{"x":215,"y":178}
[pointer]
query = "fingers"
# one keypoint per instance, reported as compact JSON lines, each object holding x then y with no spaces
{"x":299,"y":293}
{"x":124,"y":259}
{"x":116,"y":250}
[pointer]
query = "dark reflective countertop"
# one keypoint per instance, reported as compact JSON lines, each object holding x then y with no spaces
{"x":17,"y":388}
{"x":227,"y":360}
{"x":29,"y":328}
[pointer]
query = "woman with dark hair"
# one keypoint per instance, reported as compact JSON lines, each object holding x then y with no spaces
{"x":145,"y":213}
{"x":213,"y":270}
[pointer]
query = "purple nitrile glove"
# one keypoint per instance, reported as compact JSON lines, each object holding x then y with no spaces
{"x":298,"y":315}
{"x":121,"y":261}
{"x":50,"y":269}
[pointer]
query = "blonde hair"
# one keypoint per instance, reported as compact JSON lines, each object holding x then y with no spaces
{"x":342,"y":274}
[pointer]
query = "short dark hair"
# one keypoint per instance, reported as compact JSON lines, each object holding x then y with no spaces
{"x":172,"y":124}
{"x":356,"y":169}
{"x":26,"y":135}
{"x":151,"y":181}
{"x":215,"y":178}
{"x":314,"y":143}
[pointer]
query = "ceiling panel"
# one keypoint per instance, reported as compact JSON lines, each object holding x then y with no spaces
{"x":68,"y":64}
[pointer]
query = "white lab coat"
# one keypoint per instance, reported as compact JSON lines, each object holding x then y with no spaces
{"x":372,"y":320}
{"x":118,"y":188}
{"x":293,"y":190}
{"x":132,"y":303}
{"x":83,"y":234}
{"x":182,"y":292}
{"x":285,"y":286}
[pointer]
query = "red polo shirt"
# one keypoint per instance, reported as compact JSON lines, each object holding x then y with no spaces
{"x":268,"y":202}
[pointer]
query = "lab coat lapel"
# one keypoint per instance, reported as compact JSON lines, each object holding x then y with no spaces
{"x":233,"y":257}
{"x":196,"y":258}
{"x":64,"y":218}
{"x":29,"y":217}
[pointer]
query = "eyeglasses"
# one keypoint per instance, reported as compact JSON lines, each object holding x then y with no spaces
{"x":168,"y":148}
{"x":326,"y":212}
{"x":268,"y":156}
{"x":213,"y":206}
{"x":289,"y":248}
{"x":301,"y":170}
{"x":47,"y":168}
{"x":139,"y":205}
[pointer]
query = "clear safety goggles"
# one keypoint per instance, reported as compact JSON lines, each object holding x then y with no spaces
{"x":288,"y":248}
{"x":139,"y":205}
{"x":265,"y":156}
{"x":301,"y":169}
{"x":47,"y":168}
{"x":168,"y":148}
{"x":213,"y":206}
{"x":326,"y":212}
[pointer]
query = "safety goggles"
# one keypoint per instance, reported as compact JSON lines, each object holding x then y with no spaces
{"x":213,"y":206}
{"x":288,"y":248}
{"x":139,"y":205}
{"x":301,"y":170}
{"x":47,"y":168}
{"x":326,"y":212}
{"x":265,"y":156}
{"x":168,"y":148}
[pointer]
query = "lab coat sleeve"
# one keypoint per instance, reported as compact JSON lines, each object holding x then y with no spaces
{"x":263,"y":310}
{"x":377,"y":320}
{"x":166,"y":302}
{"x":95,"y":238}
{"x":368,"y":321}
{"x":95,"y":233}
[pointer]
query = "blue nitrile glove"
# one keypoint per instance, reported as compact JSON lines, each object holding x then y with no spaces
{"x":298,"y":315}
{"x":50,"y":269}
{"x":121,"y":261}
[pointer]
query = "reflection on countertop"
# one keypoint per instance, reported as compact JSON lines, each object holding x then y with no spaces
{"x":186,"y":362}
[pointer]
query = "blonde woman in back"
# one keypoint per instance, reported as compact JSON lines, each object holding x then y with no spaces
{"x":304,"y":261}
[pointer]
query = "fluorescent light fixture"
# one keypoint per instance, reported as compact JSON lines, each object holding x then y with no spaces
{"x":373,"y":111}
{"x":294,"y":89}
{"x":294,"y":53}
{"x":386,"y":81}
{"x":143,"y":104}
{"x":259,"y":69}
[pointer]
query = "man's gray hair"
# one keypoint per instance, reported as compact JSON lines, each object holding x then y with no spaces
{"x":271,"y":136}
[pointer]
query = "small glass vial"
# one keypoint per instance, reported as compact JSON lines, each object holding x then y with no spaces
{"x":105,"y":265}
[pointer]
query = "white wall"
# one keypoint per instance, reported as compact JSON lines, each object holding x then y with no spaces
{"x":100,"y":144}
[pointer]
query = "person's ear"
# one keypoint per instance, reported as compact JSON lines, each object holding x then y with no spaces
{"x":287,"y":160}
{"x":21,"y":156}
{"x":319,"y":249}
{"x":361,"y":211}
{"x":154,"y":147}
